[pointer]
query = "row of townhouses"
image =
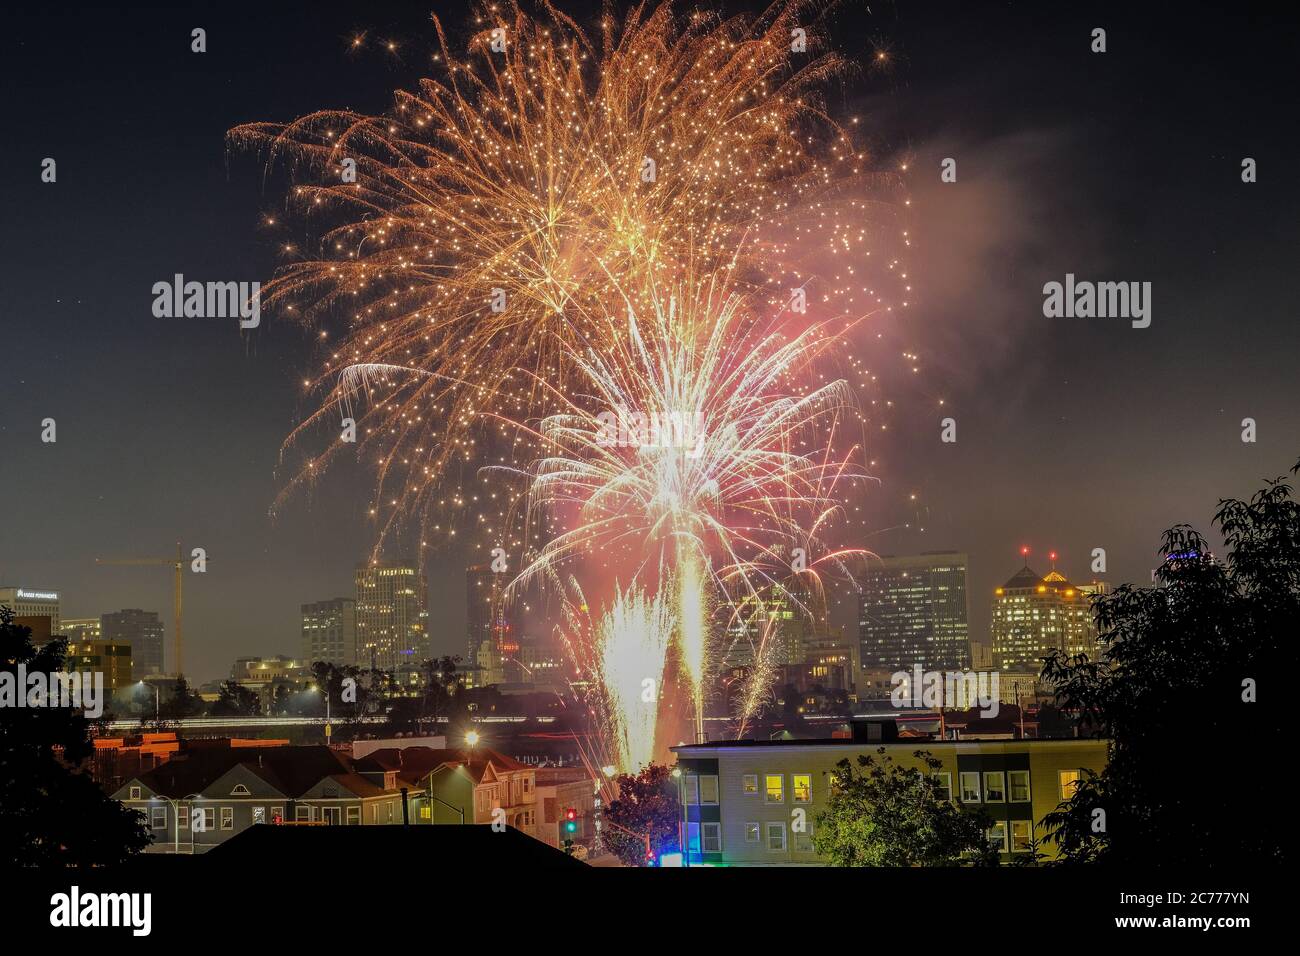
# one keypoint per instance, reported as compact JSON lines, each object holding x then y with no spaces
{"x":203,"y":796}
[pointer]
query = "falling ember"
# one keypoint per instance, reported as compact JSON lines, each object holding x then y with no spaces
{"x":633,"y":640}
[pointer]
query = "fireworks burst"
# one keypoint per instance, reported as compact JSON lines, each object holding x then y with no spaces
{"x":567,"y":225}
{"x":471,"y":232}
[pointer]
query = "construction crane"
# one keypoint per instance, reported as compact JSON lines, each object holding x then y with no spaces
{"x":178,"y":564}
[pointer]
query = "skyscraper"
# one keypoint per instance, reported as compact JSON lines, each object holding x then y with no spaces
{"x":491,"y":636}
{"x":143,"y":630}
{"x":392,"y":616}
{"x":777,"y":620}
{"x":329,"y":632}
{"x":1032,"y":616}
{"x":912,"y":610}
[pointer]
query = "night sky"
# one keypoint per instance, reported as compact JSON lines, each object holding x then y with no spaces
{"x":1072,"y":433}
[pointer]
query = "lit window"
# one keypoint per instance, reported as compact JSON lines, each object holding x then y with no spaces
{"x":970,"y":787}
{"x":749,"y":784}
{"x":801,"y":787}
{"x":693,"y":837}
{"x":995,"y":787}
{"x":227,"y":818}
{"x":1019,"y":786}
{"x":1069,"y":783}
{"x":135,"y":793}
{"x":159,"y":815}
{"x":776,"y":836}
{"x":1021,"y":835}
{"x":709,"y":790}
{"x":751,"y":832}
{"x":774,"y":788}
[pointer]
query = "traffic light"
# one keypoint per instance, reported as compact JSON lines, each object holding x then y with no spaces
{"x":570,"y":820}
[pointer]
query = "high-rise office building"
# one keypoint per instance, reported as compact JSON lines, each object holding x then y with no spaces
{"x":329,"y":632}
{"x":1033,"y":615}
{"x":779,"y":620}
{"x":143,"y":630}
{"x":392,"y":617}
{"x":34,"y":603}
{"x":492,"y":642}
{"x":80,"y":629}
{"x":111,"y":659}
{"x":912,"y":610}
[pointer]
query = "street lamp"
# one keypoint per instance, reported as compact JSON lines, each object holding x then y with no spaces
{"x":326,"y":694}
{"x":176,"y":812}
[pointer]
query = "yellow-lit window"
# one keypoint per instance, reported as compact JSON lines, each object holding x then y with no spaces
{"x":801,"y":787}
{"x":774,"y":788}
{"x":1069,"y":783}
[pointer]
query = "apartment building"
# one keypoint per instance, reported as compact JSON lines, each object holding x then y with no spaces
{"x":755,"y":802}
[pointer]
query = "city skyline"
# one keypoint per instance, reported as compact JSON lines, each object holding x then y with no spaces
{"x":1060,"y":430}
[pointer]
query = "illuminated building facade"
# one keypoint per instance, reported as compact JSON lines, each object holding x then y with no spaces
{"x":143,"y":631}
{"x":1033,"y":615}
{"x":111,"y":659}
{"x":912,"y":610}
{"x":778,"y":619}
{"x":739,"y":797}
{"x":33,"y":603}
{"x":80,"y":629}
{"x":329,"y":632}
{"x":392,"y":617}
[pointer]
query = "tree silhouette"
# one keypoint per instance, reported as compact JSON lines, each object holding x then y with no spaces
{"x":1184,"y":695}
{"x":235,"y":700}
{"x":647,"y":803}
{"x":51,"y":813}
{"x":881,"y":814}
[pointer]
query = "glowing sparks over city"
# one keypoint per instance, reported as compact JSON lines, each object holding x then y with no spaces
{"x":564,"y":228}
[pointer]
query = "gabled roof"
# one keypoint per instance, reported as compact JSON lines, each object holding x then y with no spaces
{"x":289,"y":770}
{"x":415,"y":763}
